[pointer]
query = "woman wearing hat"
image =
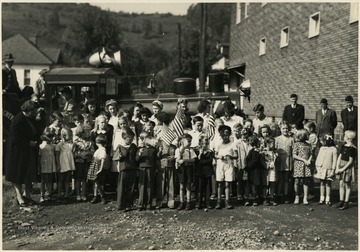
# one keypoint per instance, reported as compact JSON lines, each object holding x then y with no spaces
{"x":111,"y":107}
{"x":157,"y":107}
{"x":20,"y":153}
{"x":9,"y":79}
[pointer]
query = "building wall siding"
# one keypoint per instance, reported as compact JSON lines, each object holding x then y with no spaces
{"x":325,"y":66}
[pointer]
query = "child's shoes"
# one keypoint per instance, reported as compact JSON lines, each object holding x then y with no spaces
{"x":188,"y":206}
{"x":305,"y":201}
{"x":297,"y":200}
{"x":83,"y":198}
{"x":103,"y":201}
{"x":181,"y":206}
{"x":340,"y":205}
{"x":228,"y":206}
{"x":42,"y":199}
{"x":247,"y":203}
{"x":95,"y":200}
{"x":266,"y":202}
{"x":218,"y":205}
{"x":345,"y":206}
{"x":328,"y":203}
{"x":78,"y":198}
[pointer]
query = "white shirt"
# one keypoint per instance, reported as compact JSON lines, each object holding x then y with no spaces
{"x":259,"y":123}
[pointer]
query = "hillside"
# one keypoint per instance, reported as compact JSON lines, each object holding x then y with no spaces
{"x":34,"y":18}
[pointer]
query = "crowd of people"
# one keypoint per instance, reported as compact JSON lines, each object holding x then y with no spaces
{"x":145,"y":156}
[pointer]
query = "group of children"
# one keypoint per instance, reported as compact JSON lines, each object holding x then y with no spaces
{"x":130,"y":155}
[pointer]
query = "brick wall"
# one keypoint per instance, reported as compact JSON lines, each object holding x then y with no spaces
{"x":325,"y":66}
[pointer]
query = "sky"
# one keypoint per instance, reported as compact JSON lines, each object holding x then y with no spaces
{"x":174,"y":8}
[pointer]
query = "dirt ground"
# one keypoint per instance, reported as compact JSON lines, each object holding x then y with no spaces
{"x":84,"y":226}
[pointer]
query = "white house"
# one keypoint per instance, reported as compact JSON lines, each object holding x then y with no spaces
{"x":29,"y":58}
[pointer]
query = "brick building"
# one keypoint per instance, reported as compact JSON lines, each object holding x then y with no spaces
{"x":310,"y":49}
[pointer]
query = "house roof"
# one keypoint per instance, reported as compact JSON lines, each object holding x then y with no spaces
{"x":26,"y":52}
{"x":52,"y":53}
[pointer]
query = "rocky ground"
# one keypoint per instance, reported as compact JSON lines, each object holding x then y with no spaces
{"x":82,"y":226}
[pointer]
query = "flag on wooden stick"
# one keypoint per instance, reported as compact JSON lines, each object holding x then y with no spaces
{"x":175,"y":129}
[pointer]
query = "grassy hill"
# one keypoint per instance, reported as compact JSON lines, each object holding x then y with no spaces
{"x":32,"y":18}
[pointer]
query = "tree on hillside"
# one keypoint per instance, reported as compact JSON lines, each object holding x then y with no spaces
{"x":160,"y":28}
{"x":93,"y":30}
{"x":53,"y":21}
{"x":219,"y":16}
{"x":155,"y":56}
{"x":146,"y":27}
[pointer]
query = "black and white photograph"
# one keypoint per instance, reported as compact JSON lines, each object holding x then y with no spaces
{"x":180,"y":125}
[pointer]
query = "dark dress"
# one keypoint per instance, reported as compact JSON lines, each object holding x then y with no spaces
{"x":20,"y":156}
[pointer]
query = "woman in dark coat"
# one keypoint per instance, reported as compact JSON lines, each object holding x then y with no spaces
{"x":20,"y":150}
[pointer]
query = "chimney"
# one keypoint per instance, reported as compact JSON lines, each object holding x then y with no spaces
{"x":33,"y":38}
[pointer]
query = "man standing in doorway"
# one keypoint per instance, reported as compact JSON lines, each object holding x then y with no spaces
{"x":326,"y":119}
{"x":294,"y":113}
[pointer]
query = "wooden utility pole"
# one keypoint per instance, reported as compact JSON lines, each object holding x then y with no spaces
{"x":202,"y":75}
{"x":179,"y":48}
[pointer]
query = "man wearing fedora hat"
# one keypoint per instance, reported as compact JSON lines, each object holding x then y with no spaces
{"x":326,"y":119}
{"x":10,"y":83}
{"x":349,"y":115}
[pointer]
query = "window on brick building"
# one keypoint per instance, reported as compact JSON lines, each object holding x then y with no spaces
{"x":238,"y":13}
{"x":246,"y":10}
{"x":284,"y":37}
{"x":314,"y":25}
{"x":262,"y":46}
{"x":26,"y":77}
{"x":354,"y":12}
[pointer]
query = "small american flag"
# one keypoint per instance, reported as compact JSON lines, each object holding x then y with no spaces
{"x":177,"y":125}
{"x":211,"y":128}
{"x":175,"y":129}
{"x":168,"y":136}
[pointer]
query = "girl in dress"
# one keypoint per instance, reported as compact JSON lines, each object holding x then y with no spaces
{"x":267,"y":147}
{"x":325,"y":167}
{"x":98,"y":165}
{"x":112,"y":108}
{"x":128,"y":169}
{"x":120,"y":128}
{"x":55,"y":127}
{"x":302,"y":159}
{"x":47,"y":165}
{"x":345,"y":168}
{"x":284,"y":164}
{"x":313,"y":141}
{"x":65,"y":161}
{"x":135,"y":112}
{"x":83,"y":150}
{"x":91,"y":111}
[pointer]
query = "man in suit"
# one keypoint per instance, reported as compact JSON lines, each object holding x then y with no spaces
{"x":349,"y":115}
{"x":326,"y":119}
{"x":9,"y":79}
{"x":294,"y":113}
